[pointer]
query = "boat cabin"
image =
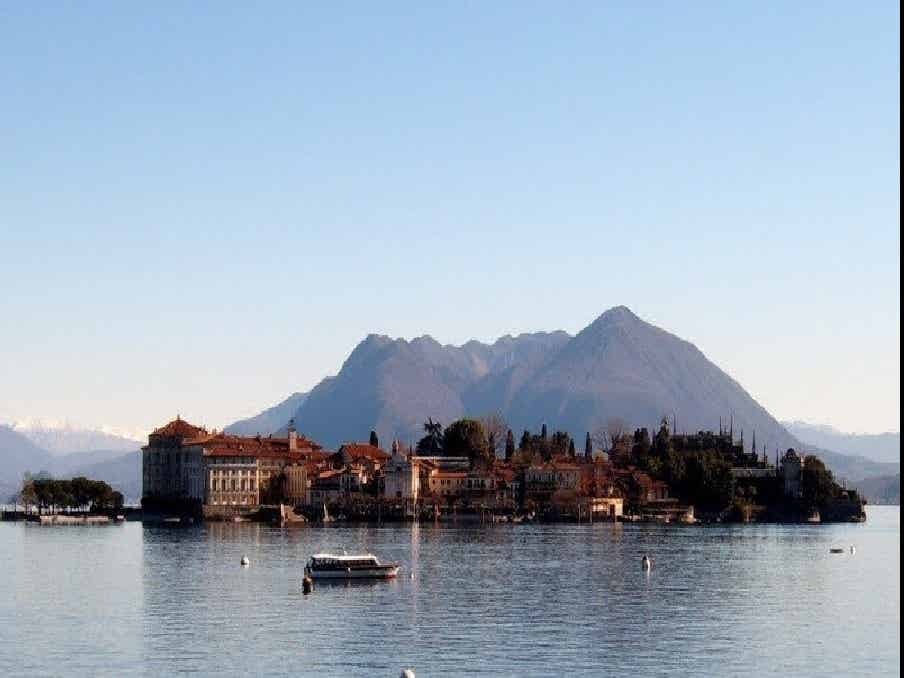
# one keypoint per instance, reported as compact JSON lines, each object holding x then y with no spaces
{"x":327,"y":561}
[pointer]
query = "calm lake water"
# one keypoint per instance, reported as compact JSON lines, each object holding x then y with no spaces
{"x":494,"y":601}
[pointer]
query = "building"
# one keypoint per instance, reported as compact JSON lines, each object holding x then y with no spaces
{"x":792,"y":471}
{"x":169,"y":471}
{"x":185,"y":468}
{"x":368,"y":457}
{"x":326,"y":486}
{"x":401,"y":476}
{"x":297,"y":490}
{"x":611,"y":508}
{"x":542,"y":481}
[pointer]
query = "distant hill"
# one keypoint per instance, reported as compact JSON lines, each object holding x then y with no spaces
{"x":122,"y":472}
{"x":18,"y":455}
{"x":853,"y":468}
{"x":881,"y":447}
{"x":881,"y":490}
{"x":270,"y":420}
{"x":61,"y":439}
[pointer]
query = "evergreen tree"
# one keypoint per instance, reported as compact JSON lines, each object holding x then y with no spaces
{"x":373,"y":439}
{"x":543,"y":433}
{"x":524,"y":445}
{"x":509,"y":445}
{"x":571,"y":452}
{"x":588,"y":447}
{"x":432,"y":443}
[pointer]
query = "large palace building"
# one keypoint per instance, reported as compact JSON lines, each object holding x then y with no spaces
{"x":187,"y":468}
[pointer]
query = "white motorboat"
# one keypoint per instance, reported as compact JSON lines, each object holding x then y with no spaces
{"x":332,"y":566}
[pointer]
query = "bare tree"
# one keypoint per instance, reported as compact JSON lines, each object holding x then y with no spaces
{"x":616,"y":428}
{"x":600,"y":438}
{"x":606,"y":436}
{"x":496,"y":429}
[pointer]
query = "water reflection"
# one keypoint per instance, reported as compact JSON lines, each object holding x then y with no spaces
{"x":496,"y":600}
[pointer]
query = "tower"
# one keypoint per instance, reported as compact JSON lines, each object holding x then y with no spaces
{"x":293,"y":435}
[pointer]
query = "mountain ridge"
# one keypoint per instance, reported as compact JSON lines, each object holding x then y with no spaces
{"x":618,"y":366}
{"x":878,"y":447}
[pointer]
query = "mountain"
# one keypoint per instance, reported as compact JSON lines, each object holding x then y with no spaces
{"x":393,"y":385}
{"x":17,"y":455}
{"x":853,"y":468}
{"x":881,"y":490}
{"x":122,"y":472}
{"x":619,"y":366}
{"x":881,"y":447}
{"x":65,"y":438}
{"x":270,"y":420}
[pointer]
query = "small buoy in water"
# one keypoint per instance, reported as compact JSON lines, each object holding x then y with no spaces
{"x":646,"y":563}
{"x":307,"y":585}
{"x":406,"y":673}
{"x":853,"y":550}
{"x":245,"y":561}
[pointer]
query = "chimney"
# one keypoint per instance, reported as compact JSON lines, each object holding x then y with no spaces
{"x":293,"y":436}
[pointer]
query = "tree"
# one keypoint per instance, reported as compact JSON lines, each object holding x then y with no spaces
{"x":616,"y":427}
{"x":817,"y":486}
{"x":494,"y":425}
{"x":466,"y":438}
{"x":641,"y":448}
{"x":374,"y":440}
{"x":509,"y":445}
{"x":524,"y":444}
{"x":431,"y":445}
{"x":588,"y":447}
{"x":27,"y":495}
{"x":571,"y":451}
{"x":543,"y":432}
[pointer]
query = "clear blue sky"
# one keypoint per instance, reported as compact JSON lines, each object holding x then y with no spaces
{"x":204,"y":207}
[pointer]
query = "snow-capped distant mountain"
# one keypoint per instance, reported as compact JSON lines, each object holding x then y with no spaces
{"x":61,"y":438}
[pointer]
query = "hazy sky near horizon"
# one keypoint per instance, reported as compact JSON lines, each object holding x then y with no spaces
{"x":205,"y":206}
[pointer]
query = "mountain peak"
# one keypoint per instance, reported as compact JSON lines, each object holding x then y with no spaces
{"x":618,"y":314}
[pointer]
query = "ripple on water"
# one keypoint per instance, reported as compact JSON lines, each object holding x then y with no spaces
{"x":499,"y":601}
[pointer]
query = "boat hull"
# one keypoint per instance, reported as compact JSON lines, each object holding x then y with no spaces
{"x":382,"y":572}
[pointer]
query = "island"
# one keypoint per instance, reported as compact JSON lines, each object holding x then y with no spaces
{"x":473,"y":469}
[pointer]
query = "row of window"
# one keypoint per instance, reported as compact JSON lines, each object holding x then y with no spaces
{"x":234,"y":485}
{"x":223,"y":501}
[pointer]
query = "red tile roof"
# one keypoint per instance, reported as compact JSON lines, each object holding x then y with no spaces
{"x":364,"y":450}
{"x":179,"y":427}
{"x":224,"y":445}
